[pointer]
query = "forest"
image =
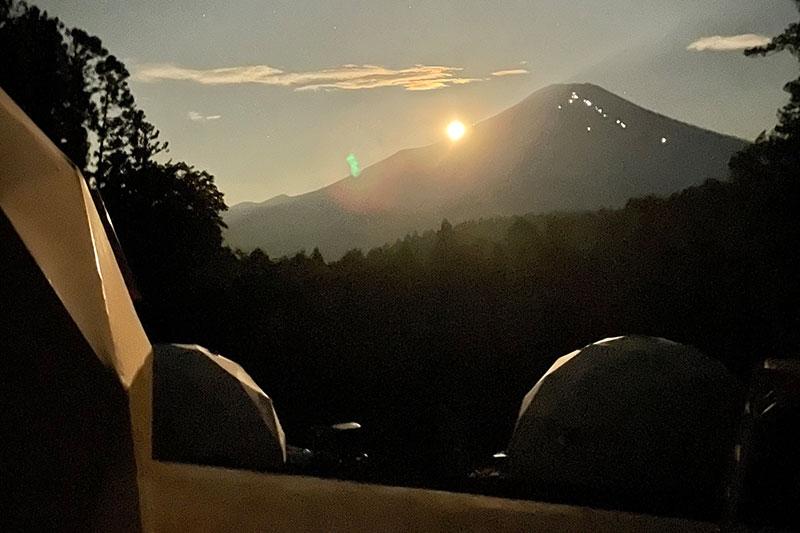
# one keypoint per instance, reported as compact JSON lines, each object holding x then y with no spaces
{"x":430,"y":342}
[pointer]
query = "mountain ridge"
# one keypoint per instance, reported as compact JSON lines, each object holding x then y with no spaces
{"x":564,"y":147}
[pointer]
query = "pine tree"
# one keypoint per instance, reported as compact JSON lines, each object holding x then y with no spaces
{"x":776,"y":154}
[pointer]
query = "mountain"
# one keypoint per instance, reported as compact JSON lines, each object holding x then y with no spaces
{"x":243,"y":209}
{"x":565,"y":147}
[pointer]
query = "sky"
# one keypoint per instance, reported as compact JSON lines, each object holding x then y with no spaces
{"x":273,"y":96}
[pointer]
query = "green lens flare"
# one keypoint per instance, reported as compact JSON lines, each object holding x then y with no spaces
{"x":355,"y":170}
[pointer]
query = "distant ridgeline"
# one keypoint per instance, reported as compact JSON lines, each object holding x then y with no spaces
{"x":564,"y":148}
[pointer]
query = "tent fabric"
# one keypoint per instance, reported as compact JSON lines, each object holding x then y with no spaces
{"x":633,"y":422}
{"x":67,"y":462}
{"x":207,"y":410}
{"x":49,"y":205}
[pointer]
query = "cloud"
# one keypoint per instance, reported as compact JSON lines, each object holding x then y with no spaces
{"x":345,"y":77}
{"x":727,"y":43}
{"x":510,"y":72}
{"x":197,"y":117}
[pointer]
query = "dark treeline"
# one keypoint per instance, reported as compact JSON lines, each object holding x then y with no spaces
{"x":430,"y":342}
{"x":433,"y":341}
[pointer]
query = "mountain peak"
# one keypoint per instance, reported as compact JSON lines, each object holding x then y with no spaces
{"x":557,"y":89}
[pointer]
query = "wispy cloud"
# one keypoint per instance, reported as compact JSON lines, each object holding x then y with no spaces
{"x":197,"y":117}
{"x":727,"y":43}
{"x":345,"y":77}
{"x":510,"y":72}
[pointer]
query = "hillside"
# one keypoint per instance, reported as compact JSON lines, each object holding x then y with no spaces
{"x":565,"y":147}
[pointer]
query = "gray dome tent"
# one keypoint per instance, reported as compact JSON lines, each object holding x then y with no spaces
{"x":208,"y":410}
{"x":629,"y":422}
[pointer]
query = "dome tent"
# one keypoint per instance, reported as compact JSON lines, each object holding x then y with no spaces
{"x":629,"y":422}
{"x":208,"y":410}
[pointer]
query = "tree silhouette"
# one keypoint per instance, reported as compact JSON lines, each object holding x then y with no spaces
{"x":167,"y":215}
{"x":40,"y":72}
{"x":777,"y":153}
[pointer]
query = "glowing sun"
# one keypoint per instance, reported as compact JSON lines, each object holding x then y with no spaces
{"x":456,"y":130}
